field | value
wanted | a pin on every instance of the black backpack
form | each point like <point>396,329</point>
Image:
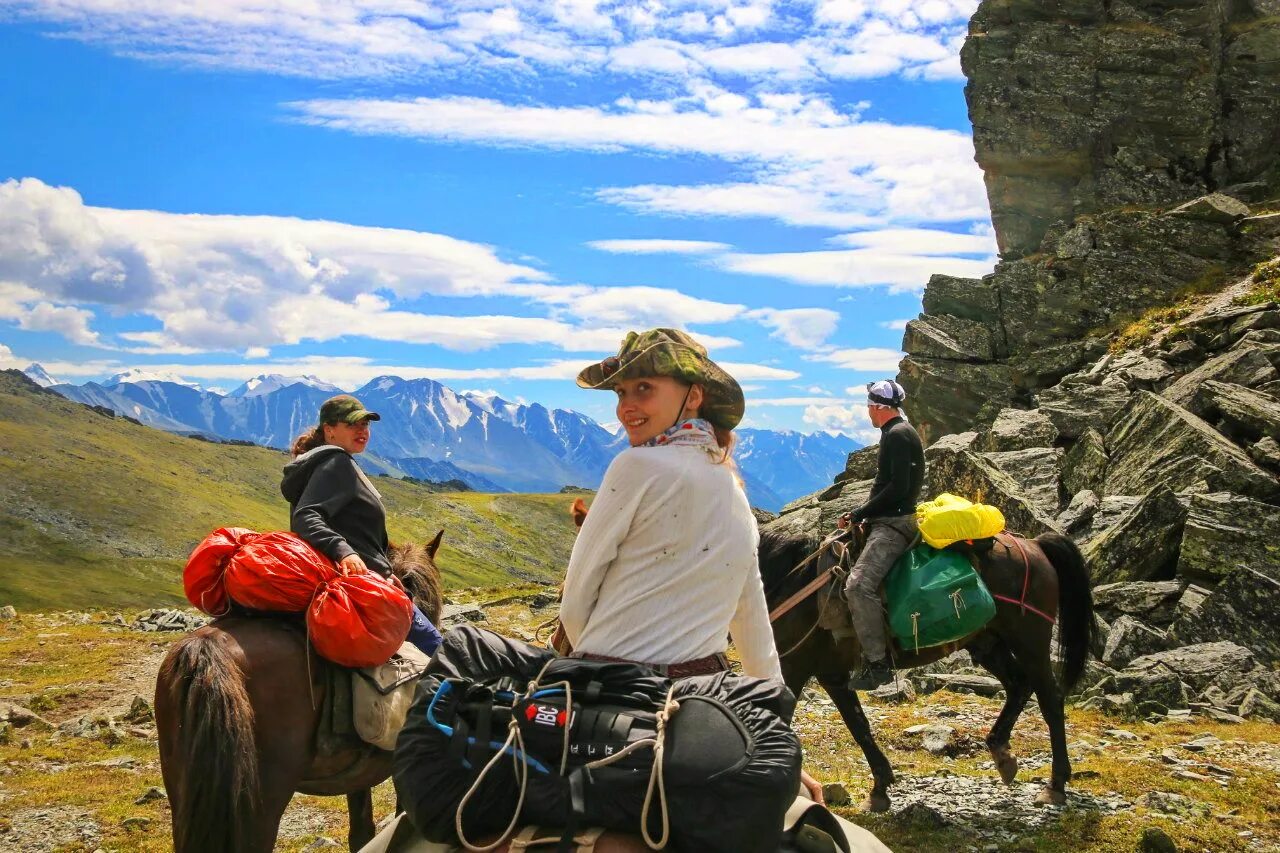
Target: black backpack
<point>503,733</point>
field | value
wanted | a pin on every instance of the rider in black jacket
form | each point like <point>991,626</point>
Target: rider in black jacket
<point>334,506</point>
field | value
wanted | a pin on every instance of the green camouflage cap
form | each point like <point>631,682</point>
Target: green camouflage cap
<point>345,409</point>
<point>670,352</point>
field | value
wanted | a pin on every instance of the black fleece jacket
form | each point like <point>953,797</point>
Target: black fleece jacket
<point>335,508</point>
<point>899,476</point>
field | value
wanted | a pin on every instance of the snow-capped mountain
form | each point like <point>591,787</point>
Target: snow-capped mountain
<point>135,375</point>
<point>37,374</point>
<point>267,383</point>
<point>430,431</point>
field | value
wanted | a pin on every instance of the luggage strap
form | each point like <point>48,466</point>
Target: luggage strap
<point>1026,578</point>
<point>514,745</point>
<point>583,841</point>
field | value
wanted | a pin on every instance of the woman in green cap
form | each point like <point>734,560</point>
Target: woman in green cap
<point>664,567</point>
<point>334,506</point>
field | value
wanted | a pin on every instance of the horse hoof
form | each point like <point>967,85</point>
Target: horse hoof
<point>1008,767</point>
<point>875,804</point>
<point>1051,797</point>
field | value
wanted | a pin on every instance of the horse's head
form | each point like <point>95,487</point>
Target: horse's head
<point>578,511</point>
<point>415,566</point>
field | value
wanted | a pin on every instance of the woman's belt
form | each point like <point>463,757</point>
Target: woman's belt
<point>709,665</point>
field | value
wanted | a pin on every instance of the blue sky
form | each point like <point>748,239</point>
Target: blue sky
<point>486,192</point>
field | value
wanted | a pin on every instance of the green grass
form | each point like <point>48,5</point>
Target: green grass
<point>99,512</point>
<point>1135,332</point>
<point>1265,286</point>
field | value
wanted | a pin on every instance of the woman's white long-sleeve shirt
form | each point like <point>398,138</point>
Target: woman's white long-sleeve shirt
<point>665,565</point>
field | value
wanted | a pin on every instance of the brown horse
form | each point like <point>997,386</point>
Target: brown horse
<point>1034,582</point>
<point>237,708</point>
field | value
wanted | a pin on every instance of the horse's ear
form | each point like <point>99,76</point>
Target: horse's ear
<point>435,545</point>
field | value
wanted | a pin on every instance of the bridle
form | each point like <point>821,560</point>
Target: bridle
<point>840,544</point>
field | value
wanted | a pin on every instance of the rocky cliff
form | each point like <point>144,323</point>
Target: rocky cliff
<point>1095,122</point>
<point>1117,378</point>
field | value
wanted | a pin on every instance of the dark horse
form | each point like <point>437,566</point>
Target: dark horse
<point>1046,574</point>
<point>237,707</point>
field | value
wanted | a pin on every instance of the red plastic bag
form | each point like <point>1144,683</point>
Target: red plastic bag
<point>203,578</point>
<point>359,620</point>
<point>277,571</point>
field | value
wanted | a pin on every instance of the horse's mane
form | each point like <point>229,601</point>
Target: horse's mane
<point>780,551</point>
<point>416,568</point>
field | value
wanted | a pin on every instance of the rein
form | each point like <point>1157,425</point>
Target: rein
<point>831,542</point>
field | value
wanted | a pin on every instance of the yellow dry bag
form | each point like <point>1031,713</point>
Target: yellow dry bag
<point>951,518</point>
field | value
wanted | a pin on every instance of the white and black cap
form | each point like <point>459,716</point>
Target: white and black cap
<point>886,392</point>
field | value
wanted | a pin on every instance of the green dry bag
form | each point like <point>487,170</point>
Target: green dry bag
<point>935,597</point>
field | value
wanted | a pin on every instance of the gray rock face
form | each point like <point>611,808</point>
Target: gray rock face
<point>1129,639</point>
<point>970,475</point>
<point>1075,407</point>
<point>949,337</point>
<point>1239,412</point>
<point>1085,464</point>
<point>1198,665</point>
<point>1249,366</point>
<point>1242,609</point>
<point>1037,470</point>
<point>1158,441</point>
<point>941,397</point>
<point>861,465</point>
<point>1214,207</point>
<point>1267,454</point>
<point>1079,514</point>
<point>1018,429</point>
<point>1143,545</point>
<point>1225,533</point>
<point>1153,602</point>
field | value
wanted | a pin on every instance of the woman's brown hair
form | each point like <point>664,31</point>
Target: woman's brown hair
<point>309,440</point>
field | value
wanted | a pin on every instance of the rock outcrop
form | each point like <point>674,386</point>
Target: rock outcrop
<point>1121,144</point>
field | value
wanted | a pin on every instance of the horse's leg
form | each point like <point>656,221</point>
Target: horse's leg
<point>1049,695</point>
<point>360,818</point>
<point>284,760</point>
<point>855,719</point>
<point>997,660</point>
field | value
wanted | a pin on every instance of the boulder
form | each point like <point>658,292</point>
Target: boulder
<point>1143,372</point>
<point>948,337</point>
<point>1037,470</point>
<point>1249,366</point>
<point>862,464</point>
<point>1214,207</point>
<point>946,396</point>
<point>1267,454</point>
<point>1153,602</point>
<point>1078,516</point>
<point>1190,600</point>
<point>1148,687</point>
<point>461,614</point>
<point>1141,546</point>
<point>1241,413</point>
<point>1111,509</point>
<point>1018,429</point>
<point>1129,639</point>
<point>1257,706</point>
<point>1199,664</point>
<point>1074,407</point>
<point>1225,533</point>
<point>1241,610</point>
<point>980,685</point>
<point>969,475</point>
<point>1085,464</point>
<point>1156,840</point>
<point>1158,441</point>
<point>970,298</point>
<point>8,612</point>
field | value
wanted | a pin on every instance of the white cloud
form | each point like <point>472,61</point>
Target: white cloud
<point>855,267</point>
<point>801,160</point>
<point>851,420</point>
<point>417,38</point>
<point>896,325</point>
<point>757,372</point>
<point>817,400</point>
<point>921,241</point>
<point>657,247</point>
<point>802,328</point>
<point>878,359</point>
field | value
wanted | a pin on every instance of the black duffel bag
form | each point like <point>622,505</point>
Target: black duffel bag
<point>503,733</point>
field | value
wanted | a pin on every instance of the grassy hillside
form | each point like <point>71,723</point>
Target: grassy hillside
<point>97,511</point>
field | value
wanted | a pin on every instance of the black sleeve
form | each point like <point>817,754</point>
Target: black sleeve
<point>331,487</point>
<point>895,480</point>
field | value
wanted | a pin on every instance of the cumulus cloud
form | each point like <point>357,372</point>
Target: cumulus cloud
<point>877,359</point>
<point>802,328</point>
<point>758,39</point>
<point>855,267</point>
<point>851,420</point>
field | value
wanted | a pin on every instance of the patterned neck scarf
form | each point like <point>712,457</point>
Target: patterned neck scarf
<point>693,432</point>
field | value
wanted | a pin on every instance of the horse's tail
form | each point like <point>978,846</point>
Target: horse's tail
<point>219,795</point>
<point>1075,604</point>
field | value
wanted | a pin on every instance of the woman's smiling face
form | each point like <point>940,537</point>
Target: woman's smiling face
<point>650,405</point>
<point>353,438</point>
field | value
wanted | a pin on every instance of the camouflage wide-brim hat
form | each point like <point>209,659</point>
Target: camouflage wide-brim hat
<point>670,352</point>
